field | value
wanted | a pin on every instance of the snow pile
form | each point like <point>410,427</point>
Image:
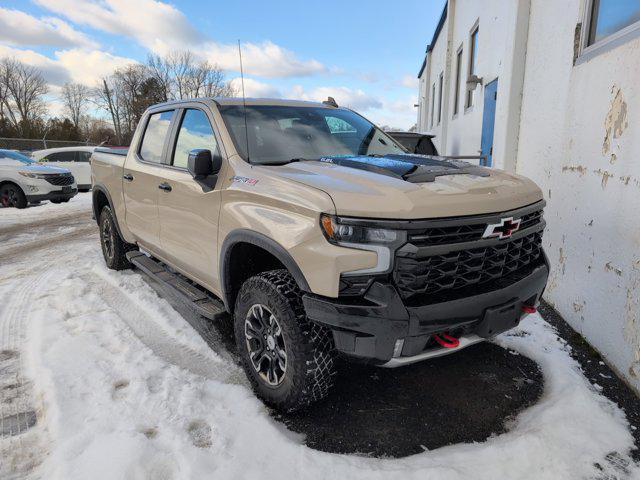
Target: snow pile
<point>9,217</point>
<point>130,390</point>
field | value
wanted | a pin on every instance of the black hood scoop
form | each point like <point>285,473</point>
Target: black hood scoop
<point>411,168</point>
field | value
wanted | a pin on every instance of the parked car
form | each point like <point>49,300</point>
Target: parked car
<point>320,234</point>
<point>420,143</point>
<point>75,159</point>
<point>24,181</point>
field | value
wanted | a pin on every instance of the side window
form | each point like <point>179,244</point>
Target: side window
<point>195,132</point>
<point>155,136</point>
<point>60,157</point>
<point>83,157</point>
<point>337,125</point>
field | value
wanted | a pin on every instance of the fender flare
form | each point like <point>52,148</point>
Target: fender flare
<point>99,188</point>
<point>264,242</point>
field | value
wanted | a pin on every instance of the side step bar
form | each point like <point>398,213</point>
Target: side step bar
<point>202,302</point>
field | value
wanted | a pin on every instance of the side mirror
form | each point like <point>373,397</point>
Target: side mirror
<point>202,163</point>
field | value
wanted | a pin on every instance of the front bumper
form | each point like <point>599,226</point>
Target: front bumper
<point>381,328</point>
<point>53,195</point>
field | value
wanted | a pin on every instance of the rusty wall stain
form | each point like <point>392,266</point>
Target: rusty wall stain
<point>605,176</point>
<point>616,121</point>
<point>575,168</point>
<point>609,267</point>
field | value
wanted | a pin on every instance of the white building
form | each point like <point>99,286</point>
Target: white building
<point>557,99</point>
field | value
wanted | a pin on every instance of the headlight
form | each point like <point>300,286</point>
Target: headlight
<point>33,175</point>
<point>378,240</point>
<point>339,233</point>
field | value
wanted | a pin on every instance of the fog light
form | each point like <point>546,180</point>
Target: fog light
<point>32,188</point>
<point>397,349</point>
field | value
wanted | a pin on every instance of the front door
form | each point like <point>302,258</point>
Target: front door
<point>488,121</point>
<point>188,212</point>
<point>142,174</point>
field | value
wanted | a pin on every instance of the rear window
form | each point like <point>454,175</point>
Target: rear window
<point>84,157</point>
<point>155,136</point>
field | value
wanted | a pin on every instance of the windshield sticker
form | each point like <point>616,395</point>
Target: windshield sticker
<point>247,180</point>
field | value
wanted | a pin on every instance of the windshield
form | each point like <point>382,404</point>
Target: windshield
<point>279,134</point>
<point>9,157</point>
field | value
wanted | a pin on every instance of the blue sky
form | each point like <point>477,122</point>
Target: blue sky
<point>364,53</point>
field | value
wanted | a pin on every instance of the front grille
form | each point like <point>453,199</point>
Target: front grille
<point>59,179</point>
<point>457,270</point>
<point>462,233</point>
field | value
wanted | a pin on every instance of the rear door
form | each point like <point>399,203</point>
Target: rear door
<point>188,212</point>
<point>143,174</point>
<point>82,169</point>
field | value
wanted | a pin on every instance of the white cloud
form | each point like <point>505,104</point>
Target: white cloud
<point>19,28</point>
<point>265,59</point>
<point>155,25</point>
<point>345,96</point>
<point>89,66</point>
<point>53,71</point>
<point>410,81</point>
<point>73,65</point>
<point>162,28</point>
<point>256,89</point>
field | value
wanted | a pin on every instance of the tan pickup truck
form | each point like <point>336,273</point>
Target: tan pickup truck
<point>320,235</point>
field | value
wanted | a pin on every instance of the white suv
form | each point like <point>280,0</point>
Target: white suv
<point>75,159</point>
<point>23,181</point>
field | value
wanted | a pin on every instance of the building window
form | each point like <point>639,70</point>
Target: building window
<point>473,62</point>
<point>611,16</point>
<point>440,97</point>
<point>456,95</point>
<point>608,24</point>
<point>433,102</point>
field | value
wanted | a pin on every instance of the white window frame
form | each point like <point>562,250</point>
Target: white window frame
<point>587,52</point>
<point>469,95</point>
<point>458,83</point>
<point>440,95</point>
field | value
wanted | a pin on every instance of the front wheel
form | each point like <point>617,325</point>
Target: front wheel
<point>114,248</point>
<point>287,358</point>
<point>12,195</point>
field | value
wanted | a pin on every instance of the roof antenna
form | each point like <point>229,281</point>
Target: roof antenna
<point>244,103</point>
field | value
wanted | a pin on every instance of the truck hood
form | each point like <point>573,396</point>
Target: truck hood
<point>43,169</point>
<point>411,186</point>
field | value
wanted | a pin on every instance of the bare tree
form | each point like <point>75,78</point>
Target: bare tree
<point>107,97</point>
<point>75,98</point>
<point>180,75</point>
<point>160,69</point>
<point>23,88</point>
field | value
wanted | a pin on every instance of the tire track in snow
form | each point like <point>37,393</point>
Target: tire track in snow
<point>150,333</point>
<point>22,448</point>
<point>56,221</point>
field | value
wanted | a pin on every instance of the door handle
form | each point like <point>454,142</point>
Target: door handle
<point>165,186</point>
<point>128,177</point>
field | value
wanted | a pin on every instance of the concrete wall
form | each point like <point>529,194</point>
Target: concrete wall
<point>579,141</point>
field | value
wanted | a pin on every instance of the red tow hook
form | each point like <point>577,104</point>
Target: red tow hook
<point>448,341</point>
<point>529,309</point>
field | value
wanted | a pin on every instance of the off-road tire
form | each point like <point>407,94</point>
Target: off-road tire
<point>11,195</point>
<point>310,369</point>
<point>114,248</point>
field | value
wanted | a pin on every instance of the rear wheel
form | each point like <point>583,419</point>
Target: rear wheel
<point>114,248</point>
<point>287,358</point>
<point>11,195</point>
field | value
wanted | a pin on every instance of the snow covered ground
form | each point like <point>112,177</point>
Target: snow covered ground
<point>123,387</point>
